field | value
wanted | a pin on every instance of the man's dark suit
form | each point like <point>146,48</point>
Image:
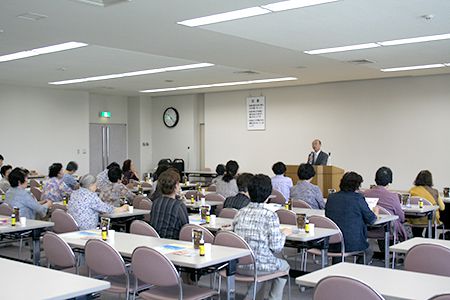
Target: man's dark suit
<point>322,159</point>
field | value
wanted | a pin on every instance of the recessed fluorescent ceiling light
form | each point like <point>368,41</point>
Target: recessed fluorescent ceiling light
<point>421,39</point>
<point>344,48</point>
<point>292,4</point>
<point>414,68</point>
<point>202,86</point>
<point>135,73</point>
<point>228,16</point>
<point>40,51</point>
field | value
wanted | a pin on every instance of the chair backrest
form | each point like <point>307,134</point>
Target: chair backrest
<point>5,209</point>
<point>228,213</point>
<point>428,258</point>
<point>146,184</point>
<point>383,211</point>
<point>300,203</point>
<point>191,193</point>
<point>154,268</point>
<point>214,197</point>
<point>56,206</point>
<point>277,197</point>
<point>212,188</point>
<point>37,193</point>
<point>340,287</point>
<point>415,200</point>
<point>63,222</point>
<point>145,204</point>
<point>138,200</point>
<point>186,233</point>
<point>324,222</point>
<point>103,259</point>
<point>57,251</point>
<point>231,239</point>
<point>143,228</point>
<point>2,192</point>
<point>441,297</point>
<point>34,183</point>
<point>287,216</point>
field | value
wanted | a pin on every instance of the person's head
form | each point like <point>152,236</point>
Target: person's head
<point>55,170</point>
<point>114,174</point>
<point>26,171</point>
<point>220,169</point>
<point>242,181</point>
<point>305,172</point>
<point>259,188</point>
<point>350,182</point>
<point>1,160</point>
<point>383,176</point>
<point>231,169</point>
<point>89,182</point>
<point>279,168</point>
<point>71,167</point>
<point>424,178</point>
<point>5,170</point>
<point>126,165</point>
<point>17,178</point>
<point>316,145</point>
<point>113,165</point>
<point>160,170</point>
<point>169,182</point>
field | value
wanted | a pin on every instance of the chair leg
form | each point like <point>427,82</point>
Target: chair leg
<point>289,286</point>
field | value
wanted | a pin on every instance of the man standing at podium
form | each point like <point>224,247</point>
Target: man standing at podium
<point>317,157</point>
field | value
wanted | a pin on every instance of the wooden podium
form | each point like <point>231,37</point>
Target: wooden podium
<point>327,177</point>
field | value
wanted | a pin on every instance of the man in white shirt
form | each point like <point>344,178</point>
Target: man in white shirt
<point>317,157</point>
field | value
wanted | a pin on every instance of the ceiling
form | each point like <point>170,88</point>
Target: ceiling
<point>143,34</point>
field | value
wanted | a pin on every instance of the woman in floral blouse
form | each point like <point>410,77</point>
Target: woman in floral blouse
<point>55,189</point>
<point>85,205</point>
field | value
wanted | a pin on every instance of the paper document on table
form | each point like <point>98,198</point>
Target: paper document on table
<point>171,248</point>
<point>85,235</point>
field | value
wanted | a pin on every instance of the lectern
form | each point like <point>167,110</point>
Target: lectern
<point>327,177</point>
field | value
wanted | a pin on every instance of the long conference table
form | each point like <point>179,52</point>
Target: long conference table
<point>25,281</point>
<point>180,253</point>
<point>390,283</point>
<point>427,210</point>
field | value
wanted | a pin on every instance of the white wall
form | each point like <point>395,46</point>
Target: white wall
<point>174,142</point>
<point>402,123</point>
<point>41,126</point>
<point>117,105</point>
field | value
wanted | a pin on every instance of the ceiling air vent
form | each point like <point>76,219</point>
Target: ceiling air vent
<point>360,61</point>
<point>248,72</point>
<point>102,3</point>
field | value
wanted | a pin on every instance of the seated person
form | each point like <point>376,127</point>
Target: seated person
<point>220,170</point>
<point>423,187</point>
<point>102,177</point>
<point>68,177</point>
<point>349,210</point>
<point>113,191</point>
<point>18,196</point>
<point>54,188</point>
<point>242,199</point>
<point>85,205</point>
<point>388,200</point>
<point>168,214</point>
<point>129,172</point>
<point>4,182</point>
<point>227,186</point>
<point>260,227</point>
<point>305,190</point>
<point>156,193</point>
<point>280,182</point>
<point>1,160</point>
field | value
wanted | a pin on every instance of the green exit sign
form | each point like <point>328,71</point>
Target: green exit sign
<point>105,114</point>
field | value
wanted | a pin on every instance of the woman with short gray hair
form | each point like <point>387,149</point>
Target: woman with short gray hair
<point>85,205</point>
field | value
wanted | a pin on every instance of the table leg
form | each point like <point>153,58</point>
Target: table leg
<point>387,232</point>
<point>324,252</point>
<point>430,224</point>
<point>36,238</point>
<point>231,271</point>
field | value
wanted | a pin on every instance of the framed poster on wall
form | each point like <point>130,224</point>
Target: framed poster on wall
<point>256,113</point>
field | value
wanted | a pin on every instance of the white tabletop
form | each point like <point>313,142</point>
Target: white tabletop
<point>219,224</point>
<point>136,212</point>
<point>125,243</point>
<point>414,209</point>
<point>30,225</point>
<point>404,247</point>
<point>446,199</point>
<point>392,284</point>
<point>25,281</point>
<point>198,203</point>
<point>201,172</point>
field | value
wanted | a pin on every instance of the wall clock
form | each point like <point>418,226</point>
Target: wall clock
<point>171,117</point>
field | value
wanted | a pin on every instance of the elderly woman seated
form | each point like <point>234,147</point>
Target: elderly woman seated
<point>85,205</point>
